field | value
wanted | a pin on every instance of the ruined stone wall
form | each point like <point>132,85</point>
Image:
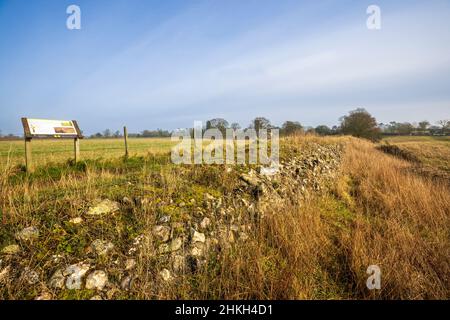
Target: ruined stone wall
<point>179,247</point>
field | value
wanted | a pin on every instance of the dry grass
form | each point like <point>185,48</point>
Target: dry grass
<point>402,224</point>
<point>431,153</point>
<point>379,213</point>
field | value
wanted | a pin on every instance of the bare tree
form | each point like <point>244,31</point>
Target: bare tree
<point>444,123</point>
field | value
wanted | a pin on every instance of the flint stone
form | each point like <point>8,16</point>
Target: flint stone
<point>198,237</point>
<point>103,207</point>
<point>165,275</point>
<point>75,273</point>
<point>198,249</point>
<point>162,233</point>
<point>175,245</point>
<point>57,280</point>
<point>102,247</point>
<point>96,280</point>
<point>31,276</point>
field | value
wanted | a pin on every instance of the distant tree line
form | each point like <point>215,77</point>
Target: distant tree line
<point>9,136</point>
<point>442,127</point>
<point>107,133</point>
<point>144,134</point>
<point>358,123</point>
<point>158,133</point>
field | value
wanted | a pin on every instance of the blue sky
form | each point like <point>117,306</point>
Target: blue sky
<point>163,64</point>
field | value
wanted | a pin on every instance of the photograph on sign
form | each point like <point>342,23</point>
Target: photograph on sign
<point>51,127</point>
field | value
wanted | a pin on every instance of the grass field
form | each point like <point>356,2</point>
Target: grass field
<point>315,242</point>
<point>432,153</point>
<point>57,151</point>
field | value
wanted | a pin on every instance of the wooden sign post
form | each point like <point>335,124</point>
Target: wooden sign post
<point>76,141</point>
<point>76,149</point>
<point>28,160</point>
<point>50,129</point>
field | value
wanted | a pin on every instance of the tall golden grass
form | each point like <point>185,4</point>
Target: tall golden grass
<point>378,213</point>
<point>402,224</point>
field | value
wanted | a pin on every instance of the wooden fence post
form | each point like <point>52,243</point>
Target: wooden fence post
<point>125,137</point>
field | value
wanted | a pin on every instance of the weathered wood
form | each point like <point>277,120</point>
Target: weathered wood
<point>77,128</point>
<point>76,148</point>
<point>28,158</point>
<point>26,128</point>
<point>125,137</point>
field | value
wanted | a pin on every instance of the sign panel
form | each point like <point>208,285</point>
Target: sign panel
<point>45,128</point>
<point>51,128</point>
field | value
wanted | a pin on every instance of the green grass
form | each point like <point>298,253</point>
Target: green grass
<point>59,151</point>
<point>46,152</point>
